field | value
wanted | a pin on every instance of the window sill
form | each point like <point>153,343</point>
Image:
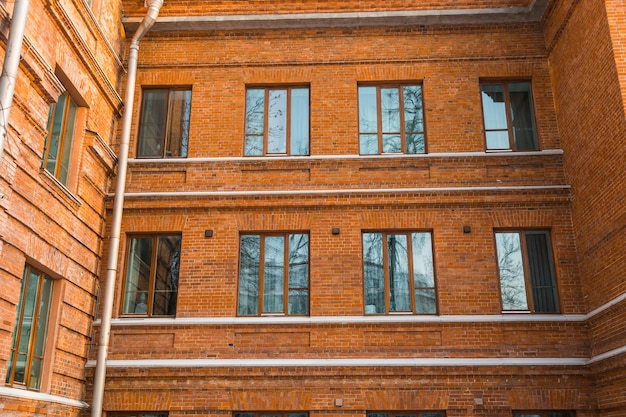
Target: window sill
<point>60,191</point>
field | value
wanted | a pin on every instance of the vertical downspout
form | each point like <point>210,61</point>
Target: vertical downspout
<point>11,66</point>
<point>118,205</point>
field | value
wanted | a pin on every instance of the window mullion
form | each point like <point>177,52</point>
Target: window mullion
<point>409,248</point>
<point>401,116</point>
<point>288,123</point>
<point>153,269</point>
<point>527,280</point>
<point>379,119</point>
<point>261,283</point>
<point>33,332</point>
<point>286,274</point>
<point>509,119</point>
<point>62,133</point>
<point>266,109</point>
<point>168,125</point>
<point>386,273</point>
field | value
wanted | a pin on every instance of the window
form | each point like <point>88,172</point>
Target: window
<point>152,275</point>
<point>526,269</point>
<point>391,119</point>
<point>164,124</point>
<point>398,273</point>
<point>277,121</point>
<point>31,324</point>
<point>58,145</point>
<point>137,414</point>
<point>274,274</point>
<point>543,414</point>
<point>407,414</point>
<point>509,117</point>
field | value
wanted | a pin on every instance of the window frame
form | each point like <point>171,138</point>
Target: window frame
<point>410,268</point>
<point>167,124</point>
<point>50,319</point>
<point>545,413</point>
<point>528,287</point>
<point>265,136</point>
<point>136,413</point>
<point>66,134</point>
<point>403,134</point>
<point>152,279</point>
<point>507,109</point>
<point>261,280</point>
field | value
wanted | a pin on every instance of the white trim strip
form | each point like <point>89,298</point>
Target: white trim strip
<point>38,396</point>
<point>298,320</point>
<point>546,152</point>
<point>606,306</point>
<point>341,191</point>
<point>607,355</point>
<point>364,362</point>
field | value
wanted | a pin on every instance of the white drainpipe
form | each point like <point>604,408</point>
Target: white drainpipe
<point>114,246</point>
<point>11,66</point>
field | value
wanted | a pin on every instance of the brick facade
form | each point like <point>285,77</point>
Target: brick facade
<point>468,359</point>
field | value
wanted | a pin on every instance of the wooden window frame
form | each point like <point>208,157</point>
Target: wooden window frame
<point>261,274</point>
<point>385,267</point>
<point>17,333</point>
<point>152,280</point>
<point>507,109</point>
<point>167,123</point>
<point>402,132</point>
<point>67,133</point>
<point>267,89</point>
<point>526,265</point>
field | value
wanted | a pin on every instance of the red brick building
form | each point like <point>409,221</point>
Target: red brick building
<point>333,208</point>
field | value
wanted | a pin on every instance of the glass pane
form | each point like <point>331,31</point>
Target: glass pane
<point>397,252</point>
<point>249,263</point>
<point>390,109</point>
<point>274,274</point>
<point>299,121</point>
<point>20,369</point>
<point>368,119</point>
<point>498,139</point>
<point>179,116</point>
<point>297,415</point>
<point>243,415</point>
<point>415,143</point>
<point>28,315</point>
<point>425,301</point>
<point>512,284</point>
<point>374,275</point>
<point>255,111</point>
<point>55,124</point>
<point>561,414</point>
<point>541,271</point>
<point>494,111</point>
<point>254,146</point>
<point>432,415</point>
<point>298,302</point>
<point>277,122</point>
<point>138,275</point>
<point>43,314</point>
<point>368,144</point>
<point>413,109</point>
<point>377,414</point>
<point>154,415</point>
<point>423,273</point>
<point>152,124</point>
<point>166,276</point>
<point>522,116</point>
<point>298,274</point>
<point>35,373</point>
<point>68,138</point>
<point>392,144</point>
